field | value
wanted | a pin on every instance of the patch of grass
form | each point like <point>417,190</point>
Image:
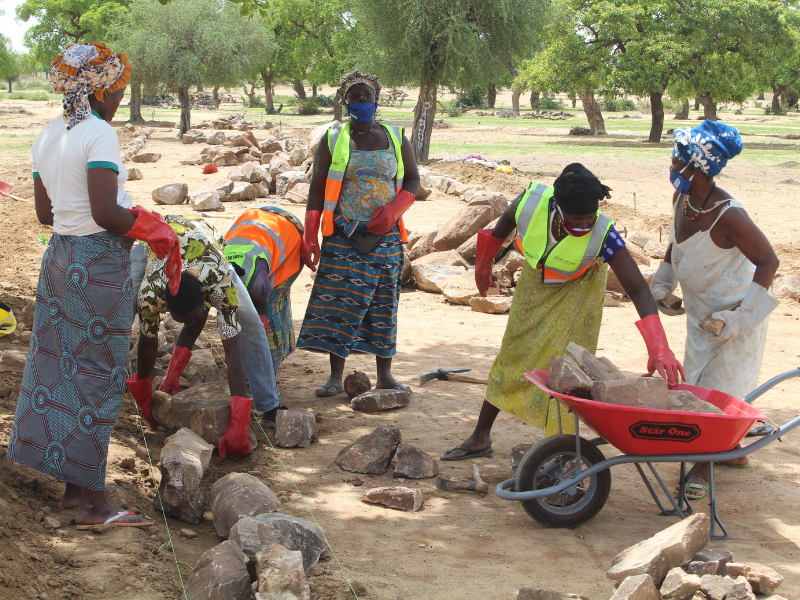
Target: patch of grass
<point>38,96</point>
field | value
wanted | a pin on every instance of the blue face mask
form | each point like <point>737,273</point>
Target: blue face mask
<point>679,183</point>
<point>362,111</point>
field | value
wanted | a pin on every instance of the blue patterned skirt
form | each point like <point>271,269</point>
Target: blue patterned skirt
<point>280,329</point>
<point>74,375</point>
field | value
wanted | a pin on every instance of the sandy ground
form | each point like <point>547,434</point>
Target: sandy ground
<point>460,545</point>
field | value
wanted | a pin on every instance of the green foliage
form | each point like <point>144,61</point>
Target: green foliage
<point>474,97</point>
<point>453,108</point>
<point>548,103</point>
<point>612,104</point>
<point>308,107</point>
<point>36,96</point>
<point>9,61</point>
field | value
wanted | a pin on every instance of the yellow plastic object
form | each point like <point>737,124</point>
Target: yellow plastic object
<point>504,169</point>
<point>8,323</point>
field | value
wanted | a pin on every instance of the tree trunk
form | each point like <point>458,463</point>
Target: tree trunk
<point>136,103</point>
<point>9,85</point>
<point>760,96</point>
<point>424,115</point>
<point>515,100</point>
<point>186,110</point>
<point>593,114</point>
<point>491,95</point>
<point>697,103</point>
<point>684,112</point>
<point>534,98</point>
<point>656,117</point>
<point>337,111</point>
<point>299,89</point>
<point>709,107</point>
<point>251,95</point>
<point>215,96</point>
<point>314,90</point>
<point>267,78</point>
<point>574,101</point>
<point>776,98</point>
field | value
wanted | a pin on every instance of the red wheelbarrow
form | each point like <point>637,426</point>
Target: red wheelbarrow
<point>565,480</point>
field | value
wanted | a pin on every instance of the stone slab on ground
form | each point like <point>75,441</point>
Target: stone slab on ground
<point>641,392</point>
<point>221,572</point>
<point>134,174</point>
<point>171,193</point>
<point>492,305</point>
<point>239,495</point>
<point>414,463</point>
<point>184,459</point>
<point>295,428</point>
<point>669,548</point>
<point>203,364</point>
<point>763,579</point>
<point>399,498</point>
<point>378,400</point>
<point>206,201</point>
<point>566,377</point>
<point>637,587</point>
<point>371,453</point>
<point>12,361</point>
<point>679,585</point>
<point>146,157</point>
<point>252,534</point>
<point>432,278</point>
<point>545,594</point>
<point>281,575</point>
<point>447,258</point>
<point>517,452</point>
<point>463,289</point>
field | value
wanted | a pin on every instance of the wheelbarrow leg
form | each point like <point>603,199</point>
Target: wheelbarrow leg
<point>677,510</point>
<point>712,500</point>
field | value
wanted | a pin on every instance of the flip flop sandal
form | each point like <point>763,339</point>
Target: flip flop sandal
<point>399,387</point>
<point>469,453</point>
<point>329,389</point>
<point>724,464</point>
<point>108,496</point>
<point>116,523</point>
<point>695,491</point>
<point>763,429</point>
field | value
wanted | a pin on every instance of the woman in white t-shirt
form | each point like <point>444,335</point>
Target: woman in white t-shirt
<point>74,375</point>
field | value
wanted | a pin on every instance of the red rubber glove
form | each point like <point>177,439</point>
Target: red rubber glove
<point>488,245</point>
<point>385,217</point>
<point>235,439</point>
<point>171,382</point>
<point>660,356</point>
<point>142,391</point>
<point>263,320</point>
<point>150,227</point>
<point>309,247</point>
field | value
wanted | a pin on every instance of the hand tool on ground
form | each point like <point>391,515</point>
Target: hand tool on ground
<point>468,486</point>
<point>5,191</point>
<point>452,375</point>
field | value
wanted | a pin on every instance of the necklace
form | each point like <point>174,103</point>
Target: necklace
<point>367,131</point>
<point>697,212</point>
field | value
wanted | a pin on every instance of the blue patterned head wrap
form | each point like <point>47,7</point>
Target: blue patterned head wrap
<point>707,147</point>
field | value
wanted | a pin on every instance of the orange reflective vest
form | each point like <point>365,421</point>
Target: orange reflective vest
<point>270,233</point>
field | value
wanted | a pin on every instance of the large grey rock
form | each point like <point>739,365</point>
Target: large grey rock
<point>655,250</point>
<point>371,453</point>
<point>281,575</point>
<point>641,392</point>
<point>241,191</point>
<point>763,579</point>
<point>431,278</point>
<point>672,547</point>
<point>184,459</point>
<point>638,254</point>
<point>399,498</point>
<point>741,590</point>
<point>225,158</point>
<point>316,135</point>
<point>12,361</point>
<point>146,157</point>
<point>639,238</point>
<point>499,202</point>
<point>449,258</point>
<point>247,173</point>
<point>463,226</point>
<point>378,400</point>
<point>414,463</point>
<point>287,180</point>
<point>544,594</point>
<point>469,248</point>
<point>221,572</point>
<point>715,587</point>
<point>206,201</point>
<point>513,261</point>
<point>686,401</point>
<point>613,284</point>
<point>252,534</point>
<point>599,368</point>
<point>134,174</point>
<point>424,245</point>
<point>679,585</point>
<point>193,136</point>
<point>700,568</point>
<point>295,428</point>
<point>239,495</point>
<point>277,166</point>
<point>221,187</point>
<point>566,377</point>
<point>202,368</point>
<point>492,305</point>
<point>204,408</point>
<point>637,587</point>
<point>461,290</point>
<point>172,193</point>
<point>216,139</point>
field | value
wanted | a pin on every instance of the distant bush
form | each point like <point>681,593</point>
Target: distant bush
<point>453,108</point>
<point>768,111</point>
<point>609,104</point>
<point>308,107</point>
<point>473,98</point>
<point>547,103</point>
<point>39,96</point>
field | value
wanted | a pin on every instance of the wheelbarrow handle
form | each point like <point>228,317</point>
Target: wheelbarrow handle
<point>770,384</point>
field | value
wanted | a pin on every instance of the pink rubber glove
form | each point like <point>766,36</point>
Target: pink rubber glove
<point>235,440</point>
<point>660,357</point>
<point>142,391</point>
<point>309,247</point>
<point>385,217</point>
<point>263,320</point>
<point>150,227</point>
<point>171,382</point>
<point>488,245</point>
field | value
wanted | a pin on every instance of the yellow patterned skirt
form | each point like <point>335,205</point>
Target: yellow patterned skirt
<point>544,318</point>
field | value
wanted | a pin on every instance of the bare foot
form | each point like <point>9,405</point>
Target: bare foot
<point>472,444</point>
<point>97,515</point>
<point>72,496</point>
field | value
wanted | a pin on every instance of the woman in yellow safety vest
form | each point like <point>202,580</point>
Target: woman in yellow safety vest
<point>364,179</point>
<point>567,243</point>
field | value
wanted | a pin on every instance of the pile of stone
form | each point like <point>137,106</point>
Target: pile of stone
<point>133,147</point>
<point>233,122</point>
<point>581,374</point>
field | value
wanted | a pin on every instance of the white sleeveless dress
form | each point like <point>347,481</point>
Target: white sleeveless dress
<point>714,279</point>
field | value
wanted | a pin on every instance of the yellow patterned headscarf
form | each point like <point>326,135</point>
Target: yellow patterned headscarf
<point>87,69</point>
<point>351,79</point>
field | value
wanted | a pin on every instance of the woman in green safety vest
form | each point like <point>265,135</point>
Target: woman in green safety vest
<point>568,245</point>
<point>364,178</point>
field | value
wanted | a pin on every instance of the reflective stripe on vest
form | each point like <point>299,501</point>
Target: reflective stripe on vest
<point>268,234</point>
<point>339,145</point>
<point>572,256</point>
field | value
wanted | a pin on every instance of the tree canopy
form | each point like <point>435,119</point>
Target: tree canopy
<point>10,64</point>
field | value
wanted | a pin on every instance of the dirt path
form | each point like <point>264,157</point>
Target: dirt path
<point>459,545</point>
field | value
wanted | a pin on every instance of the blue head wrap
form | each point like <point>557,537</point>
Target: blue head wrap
<point>707,147</point>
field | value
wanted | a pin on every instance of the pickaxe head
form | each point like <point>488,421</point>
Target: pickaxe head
<point>439,374</point>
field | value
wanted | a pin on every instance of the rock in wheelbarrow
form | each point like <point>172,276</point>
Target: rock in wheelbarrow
<point>672,547</point>
<point>566,377</point>
<point>599,368</point>
<point>641,392</point>
<point>686,401</point>
<point>378,400</point>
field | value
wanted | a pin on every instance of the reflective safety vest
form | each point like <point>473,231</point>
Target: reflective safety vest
<point>572,256</point>
<point>267,232</point>
<point>339,146</point>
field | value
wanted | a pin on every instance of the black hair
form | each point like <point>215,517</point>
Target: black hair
<point>188,298</point>
<point>578,191</point>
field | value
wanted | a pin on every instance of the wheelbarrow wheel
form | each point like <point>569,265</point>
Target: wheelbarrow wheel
<point>552,461</point>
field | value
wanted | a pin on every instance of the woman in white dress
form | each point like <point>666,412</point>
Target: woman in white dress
<point>725,265</point>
